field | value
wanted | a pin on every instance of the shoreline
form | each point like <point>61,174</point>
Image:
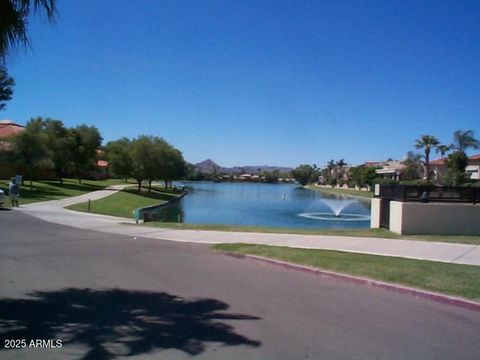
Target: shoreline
<point>339,192</point>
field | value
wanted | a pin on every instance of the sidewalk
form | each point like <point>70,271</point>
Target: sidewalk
<point>53,211</point>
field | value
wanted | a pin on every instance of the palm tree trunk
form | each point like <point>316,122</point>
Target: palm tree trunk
<point>427,165</point>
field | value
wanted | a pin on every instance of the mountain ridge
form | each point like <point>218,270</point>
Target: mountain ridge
<point>209,166</point>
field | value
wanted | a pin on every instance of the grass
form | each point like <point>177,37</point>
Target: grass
<point>53,190</point>
<point>124,202</point>
<point>363,194</point>
<point>375,233</point>
<point>451,279</point>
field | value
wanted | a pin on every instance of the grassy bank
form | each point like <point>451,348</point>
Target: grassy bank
<point>356,193</point>
<point>124,202</point>
<point>53,190</point>
<point>452,279</point>
<point>375,233</point>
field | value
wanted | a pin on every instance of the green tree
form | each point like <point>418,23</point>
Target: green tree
<point>144,156</point>
<point>304,174</point>
<point>362,175</point>
<point>170,163</point>
<point>29,148</point>
<point>464,140</point>
<point>458,160</point>
<point>443,149</point>
<point>456,163</point>
<point>6,87</point>
<point>83,146</point>
<point>59,143</point>
<point>120,158</point>
<point>427,143</point>
<point>14,19</point>
<point>272,177</point>
<point>412,166</point>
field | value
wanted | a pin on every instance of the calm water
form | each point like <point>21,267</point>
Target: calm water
<point>263,205</point>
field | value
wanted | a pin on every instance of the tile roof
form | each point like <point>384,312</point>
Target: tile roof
<point>9,128</point>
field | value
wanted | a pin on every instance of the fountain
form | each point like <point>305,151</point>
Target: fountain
<point>337,205</point>
<point>336,213</point>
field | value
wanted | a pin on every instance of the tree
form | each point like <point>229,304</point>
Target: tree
<point>59,142</point>
<point>427,143</point>
<point>463,140</point>
<point>458,160</point>
<point>456,163</point>
<point>443,149</point>
<point>83,149</point>
<point>413,166</point>
<point>120,158</point>
<point>6,87</point>
<point>362,175</point>
<point>29,148</point>
<point>14,20</point>
<point>272,177</point>
<point>339,173</point>
<point>303,174</point>
<point>170,162</point>
<point>154,159</point>
<point>144,157</point>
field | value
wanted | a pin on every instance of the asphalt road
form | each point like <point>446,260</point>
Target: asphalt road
<point>107,296</point>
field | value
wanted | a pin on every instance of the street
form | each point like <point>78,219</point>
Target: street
<point>105,296</point>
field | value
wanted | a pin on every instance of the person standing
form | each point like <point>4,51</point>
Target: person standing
<point>14,192</point>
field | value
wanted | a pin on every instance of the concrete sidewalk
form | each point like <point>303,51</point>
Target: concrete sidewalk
<point>53,211</point>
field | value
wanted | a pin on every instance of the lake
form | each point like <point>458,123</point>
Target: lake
<point>269,205</point>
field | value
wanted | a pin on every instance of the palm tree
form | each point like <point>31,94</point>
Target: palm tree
<point>443,149</point>
<point>330,164</point>
<point>13,21</point>
<point>427,142</point>
<point>6,87</point>
<point>464,140</point>
<point>340,164</point>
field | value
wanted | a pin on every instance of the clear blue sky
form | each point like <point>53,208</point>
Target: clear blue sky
<point>257,82</point>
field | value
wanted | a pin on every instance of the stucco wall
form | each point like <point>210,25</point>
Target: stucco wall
<point>396,216</point>
<point>375,213</point>
<point>434,218</point>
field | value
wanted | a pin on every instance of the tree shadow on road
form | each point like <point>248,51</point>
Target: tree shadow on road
<point>114,322</point>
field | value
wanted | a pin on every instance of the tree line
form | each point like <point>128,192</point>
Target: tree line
<point>74,152</point>
<point>416,166</point>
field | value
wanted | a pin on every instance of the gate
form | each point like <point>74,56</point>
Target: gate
<point>385,213</point>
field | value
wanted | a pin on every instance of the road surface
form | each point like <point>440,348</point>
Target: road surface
<point>106,296</point>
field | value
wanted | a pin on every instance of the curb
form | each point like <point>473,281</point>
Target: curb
<point>437,297</point>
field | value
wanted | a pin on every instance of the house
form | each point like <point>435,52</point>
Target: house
<point>387,169</point>
<point>7,129</point>
<point>439,168</point>
<point>473,167</point>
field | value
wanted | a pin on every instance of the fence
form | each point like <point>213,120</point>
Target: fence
<point>412,193</point>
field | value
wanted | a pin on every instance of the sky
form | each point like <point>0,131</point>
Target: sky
<point>257,82</point>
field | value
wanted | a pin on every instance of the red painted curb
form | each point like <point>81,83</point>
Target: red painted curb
<point>440,298</point>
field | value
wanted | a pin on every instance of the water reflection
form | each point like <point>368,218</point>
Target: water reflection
<point>259,205</point>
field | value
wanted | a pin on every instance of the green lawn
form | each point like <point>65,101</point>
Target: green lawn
<point>452,279</point>
<point>375,233</point>
<point>53,190</point>
<point>363,194</point>
<point>124,202</point>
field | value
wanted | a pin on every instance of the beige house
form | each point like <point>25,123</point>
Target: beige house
<point>439,168</point>
<point>390,169</point>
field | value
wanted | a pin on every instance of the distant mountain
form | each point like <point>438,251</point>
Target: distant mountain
<point>209,166</point>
